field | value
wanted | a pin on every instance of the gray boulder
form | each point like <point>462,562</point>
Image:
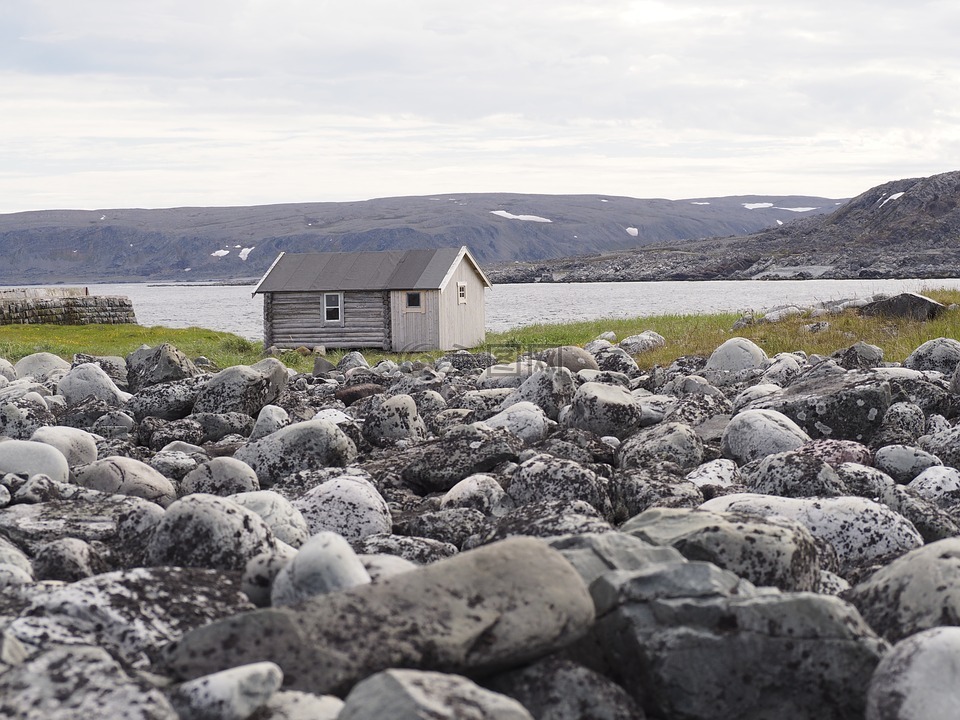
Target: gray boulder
<point>348,505</point>
<point>78,446</point>
<point>168,401</point>
<point>41,366</point>
<point>557,689</point>
<point>217,426</point>
<point>13,556</point>
<point>395,420</point>
<point>912,306</point>
<point>525,420</point>
<point>902,424</point>
<point>865,481</point>
<point>148,366</point>
<point>753,434</point>
<point>940,485</point>
<point>7,370</point>
<point>89,379</point>
<point>571,357</point>
<point>311,444</point>
<point>78,682</point>
<point>416,694</point>
<point>284,520</point>
<point>688,640</point>
<point>326,563</point>
<point>736,354</point>
<point>918,679</point>
<point>209,532</point>
<point>86,515</point>
<point>270,419</point>
<point>917,591</point>
<point>618,360</point>
<point>904,462</point>
<point>544,478</point>
<point>766,551</point>
<point>68,559</point>
<point>543,519</point>
<point>479,492</point>
<point>236,693</point>
<point>243,388</point>
<point>860,530</point>
<point>720,473</point>
<point>417,550</point>
<point>944,444</point>
<point>667,441</point>
<point>548,389</point>
<point>464,450</point>
<point>26,458</point>
<point>133,613</point>
<point>596,554</point>
<point>834,403</point>
<point>520,596</point>
<point>220,476</point>
<point>940,354</point>
<point>792,474</point>
<point>642,342</point>
<point>658,484</point>
<point>447,525</point>
<point>837,452</point>
<point>126,476</point>
<point>22,417</point>
<point>260,572</point>
<point>604,410</point>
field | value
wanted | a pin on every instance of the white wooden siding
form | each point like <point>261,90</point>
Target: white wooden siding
<point>296,318</point>
<point>413,331</point>
<point>462,325</point>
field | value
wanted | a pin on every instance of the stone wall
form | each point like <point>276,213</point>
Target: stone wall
<point>82,310</point>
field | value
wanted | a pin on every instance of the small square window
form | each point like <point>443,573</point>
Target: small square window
<point>413,300</point>
<point>462,293</point>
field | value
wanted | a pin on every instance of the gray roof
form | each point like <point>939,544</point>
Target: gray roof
<point>391,270</point>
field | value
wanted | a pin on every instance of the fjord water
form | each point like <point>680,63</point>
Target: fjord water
<point>231,308</point>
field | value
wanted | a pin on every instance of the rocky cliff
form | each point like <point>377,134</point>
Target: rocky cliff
<point>901,229</point>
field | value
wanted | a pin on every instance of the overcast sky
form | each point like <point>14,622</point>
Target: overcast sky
<point>113,103</point>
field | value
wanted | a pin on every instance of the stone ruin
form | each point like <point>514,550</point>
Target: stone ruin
<point>63,306</point>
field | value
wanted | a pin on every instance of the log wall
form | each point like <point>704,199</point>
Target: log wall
<point>292,319</point>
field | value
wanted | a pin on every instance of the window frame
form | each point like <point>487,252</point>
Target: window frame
<point>407,307</point>
<point>461,293</point>
<point>327,322</point>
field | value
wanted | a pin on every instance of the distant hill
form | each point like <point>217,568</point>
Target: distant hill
<point>902,229</point>
<point>228,243</point>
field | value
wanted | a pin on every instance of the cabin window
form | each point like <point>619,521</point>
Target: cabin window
<point>414,302</point>
<point>333,308</point>
<point>462,293</point>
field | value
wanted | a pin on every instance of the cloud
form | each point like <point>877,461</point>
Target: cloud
<point>109,103</point>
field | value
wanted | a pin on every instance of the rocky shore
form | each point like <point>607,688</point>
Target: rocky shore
<point>561,536</point>
<point>736,259</point>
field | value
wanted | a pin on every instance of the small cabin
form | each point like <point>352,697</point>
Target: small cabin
<point>403,301</point>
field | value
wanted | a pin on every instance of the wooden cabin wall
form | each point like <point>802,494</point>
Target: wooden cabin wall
<point>463,326</point>
<point>415,331</point>
<point>293,319</point>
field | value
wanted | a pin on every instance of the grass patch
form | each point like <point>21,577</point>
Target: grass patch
<point>225,349</point>
<point>685,335</point>
<point>701,334</point>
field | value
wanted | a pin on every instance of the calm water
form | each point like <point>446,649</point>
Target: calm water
<point>231,308</point>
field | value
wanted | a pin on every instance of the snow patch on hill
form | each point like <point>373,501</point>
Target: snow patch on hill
<point>527,218</point>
